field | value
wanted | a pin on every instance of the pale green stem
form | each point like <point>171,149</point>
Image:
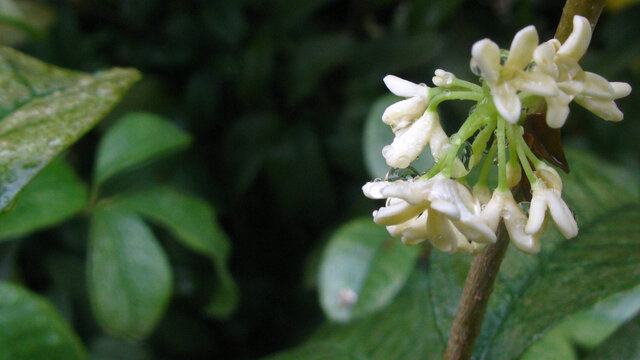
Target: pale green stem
<point>453,95</point>
<point>466,85</point>
<point>536,162</point>
<point>525,163</point>
<point>502,156</point>
<point>513,145</point>
<point>486,166</point>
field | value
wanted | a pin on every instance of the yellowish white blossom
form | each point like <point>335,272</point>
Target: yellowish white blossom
<point>505,81</point>
<point>592,91</point>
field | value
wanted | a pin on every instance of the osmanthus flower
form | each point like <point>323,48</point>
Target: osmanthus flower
<point>505,81</point>
<point>438,205</point>
<point>438,209</point>
<point>546,195</point>
<point>590,90</point>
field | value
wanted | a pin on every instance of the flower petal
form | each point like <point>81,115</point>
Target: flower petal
<point>447,208</point>
<point>441,233</point>
<point>521,51</point>
<point>404,111</point>
<point>396,212</point>
<point>412,191</point>
<point>578,41</point>
<point>405,88</point>
<point>621,89</point>
<point>537,211</point>
<point>407,146</point>
<point>515,221</point>
<point>557,109</point>
<point>486,55</point>
<point>543,56</point>
<point>507,102</point>
<point>562,215</point>
<point>605,109</point>
<point>536,83</point>
<point>597,86</point>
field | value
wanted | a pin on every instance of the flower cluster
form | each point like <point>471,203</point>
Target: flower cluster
<point>439,205</point>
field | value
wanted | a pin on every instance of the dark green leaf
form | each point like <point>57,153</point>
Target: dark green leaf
<point>377,135</point>
<point>314,59</point>
<point>622,345</point>
<point>55,195</point>
<point>136,138</point>
<point>45,109</point>
<point>105,348</point>
<point>534,292</point>
<point>362,270</point>
<point>403,331</point>
<point>129,277</point>
<point>31,329</point>
<point>193,222</point>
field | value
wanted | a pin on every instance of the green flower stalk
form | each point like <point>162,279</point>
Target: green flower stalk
<point>439,206</point>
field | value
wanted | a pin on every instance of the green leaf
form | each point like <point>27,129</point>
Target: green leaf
<point>533,293</point>
<point>589,328</point>
<point>193,222</point>
<point>31,329</point>
<point>45,109</point>
<point>622,345</point>
<point>314,59</point>
<point>129,277</point>
<point>405,330</point>
<point>55,195</point>
<point>136,138</point>
<point>20,20</point>
<point>362,270</point>
<point>377,135</point>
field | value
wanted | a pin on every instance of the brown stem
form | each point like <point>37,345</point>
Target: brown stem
<point>591,9</point>
<point>485,266</point>
<point>474,299</point>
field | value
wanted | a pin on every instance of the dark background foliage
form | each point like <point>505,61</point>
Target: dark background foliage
<point>275,94</point>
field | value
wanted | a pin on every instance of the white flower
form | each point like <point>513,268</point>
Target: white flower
<point>403,113</point>
<point>544,198</point>
<point>443,78</point>
<point>506,80</point>
<point>592,91</point>
<point>408,144</point>
<point>547,195</point>
<point>439,209</point>
<point>503,206</point>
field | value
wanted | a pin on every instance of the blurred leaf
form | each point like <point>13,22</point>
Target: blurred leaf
<point>105,348</point>
<point>377,135</point>
<point>31,329</point>
<point>193,222</point>
<point>362,270</point>
<point>45,109</point>
<point>533,292</point>
<point>291,13</point>
<point>617,5</point>
<point>53,196</point>
<point>136,138</point>
<point>315,58</point>
<point>246,147</point>
<point>403,331</point>
<point>622,345</point>
<point>588,328</point>
<point>225,20</point>
<point>128,274</point>
<point>298,171</point>
<point>22,19</point>
<point>427,15</point>
<point>554,346</point>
